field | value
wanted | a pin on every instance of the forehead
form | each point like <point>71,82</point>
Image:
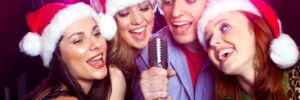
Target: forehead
<point>233,16</point>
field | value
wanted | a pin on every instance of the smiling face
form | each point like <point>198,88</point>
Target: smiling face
<point>135,24</point>
<point>182,17</point>
<point>231,42</point>
<point>83,49</point>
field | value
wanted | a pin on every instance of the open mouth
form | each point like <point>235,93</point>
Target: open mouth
<point>180,27</point>
<point>180,24</point>
<point>138,33</point>
<point>138,30</point>
<point>224,54</point>
<point>97,61</point>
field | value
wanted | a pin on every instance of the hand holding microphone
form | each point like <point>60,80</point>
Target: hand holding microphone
<point>154,81</point>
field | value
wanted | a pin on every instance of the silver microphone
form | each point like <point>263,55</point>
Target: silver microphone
<point>158,52</point>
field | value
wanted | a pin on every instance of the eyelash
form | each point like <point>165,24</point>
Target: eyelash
<point>123,13</point>
<point>144,7</point>
<point>76,41</point>
<point>97,34</point>
<point>168,2</point>
<point>190,1</point>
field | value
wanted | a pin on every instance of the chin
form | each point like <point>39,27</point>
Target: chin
<point>140,45</point>
<point>226,71</point>
<point>100,74</point>
<point>187,39</point>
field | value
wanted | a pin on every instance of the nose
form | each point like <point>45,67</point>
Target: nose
<point>95,44</point>
<point>137,18</point>
<point>215,41</point>
<point>177,9</point>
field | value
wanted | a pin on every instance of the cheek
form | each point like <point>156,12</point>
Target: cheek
<point>103,44</point>
<point>123,24</point>
<point>149,17</point>
<point>212,57</point>
<point>71,54</point>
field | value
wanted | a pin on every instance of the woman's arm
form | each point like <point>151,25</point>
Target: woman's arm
<point>118,84</point>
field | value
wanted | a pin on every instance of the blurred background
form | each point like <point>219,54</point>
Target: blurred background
<point>19,73</point>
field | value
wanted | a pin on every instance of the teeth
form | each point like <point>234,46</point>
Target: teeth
<point>224,53</point>
<point>97,58</point>
<point>180,23</point>
<point>139,30</point>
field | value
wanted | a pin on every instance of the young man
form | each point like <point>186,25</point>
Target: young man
<point>194,80</point>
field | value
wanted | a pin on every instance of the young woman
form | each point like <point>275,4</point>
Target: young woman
<point>244,41</point>
<point>133,21</point>
<point>68,39</point>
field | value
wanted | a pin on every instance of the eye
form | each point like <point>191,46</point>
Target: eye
<point>123,13</point>
<point>168,2</point>
<point>97,34</point>
<point>225,27</point>
<point>144,7</point>
<point>190,1</point>
<point>77,40</point>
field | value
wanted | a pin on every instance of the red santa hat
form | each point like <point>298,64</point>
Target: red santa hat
<point>283,49</point>
<point>108,8</point>
<point>48,25</point>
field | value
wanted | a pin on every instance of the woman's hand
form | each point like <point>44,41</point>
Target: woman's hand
<point>154,83</point>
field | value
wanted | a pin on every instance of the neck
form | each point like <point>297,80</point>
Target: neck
<point>246,80</point>
<point>194,47</point>
<point>85,85</point>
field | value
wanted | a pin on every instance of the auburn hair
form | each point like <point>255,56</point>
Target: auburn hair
<point>269,79</point>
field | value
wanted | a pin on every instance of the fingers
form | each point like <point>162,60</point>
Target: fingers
<point>171,73</point>
<point>157,71</point>
<point>156,96</point>
<point>154,83</point>
<point>169,98</point>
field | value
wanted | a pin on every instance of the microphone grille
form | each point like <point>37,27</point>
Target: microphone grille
<point>158,52</point>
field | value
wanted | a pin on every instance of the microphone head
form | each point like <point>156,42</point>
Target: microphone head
<point>158,52</point>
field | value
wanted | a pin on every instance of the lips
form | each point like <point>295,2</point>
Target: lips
<point>181,26</point>
<point>97,61</point>
<point>224,54</point>
<point>138,33</point>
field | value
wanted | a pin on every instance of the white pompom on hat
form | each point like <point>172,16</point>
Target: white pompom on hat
<point>108,8</point>
<point>283,49</point>
<point>48,25</point>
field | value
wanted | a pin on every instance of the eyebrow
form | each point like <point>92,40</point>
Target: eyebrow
<point>94,28</point>
<point>77,33</point>
<point>220,21</point>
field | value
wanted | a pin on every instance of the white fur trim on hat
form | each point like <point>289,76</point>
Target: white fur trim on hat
<point>108,26</point>
<point>219,7</point>
<point>284,51</point>
<point>113,6</point>
<point>30,44</point>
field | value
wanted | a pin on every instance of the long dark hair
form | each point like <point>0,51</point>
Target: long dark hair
<point>269,79</point>
<point>59,74</point>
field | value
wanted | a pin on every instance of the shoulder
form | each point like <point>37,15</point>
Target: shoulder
<point>65,98</point>
<point>116,74</point>
<point>118,83</point>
